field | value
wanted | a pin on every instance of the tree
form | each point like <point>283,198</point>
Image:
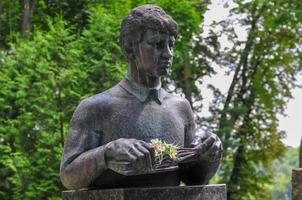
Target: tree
<point>28,7</point>
<point>189,64</point>
<point>265,66</point>
<point>9,21</point>
<point>65,59</point>
<point>300,154</point>
<point>282,168</point>
<point>39,88</point>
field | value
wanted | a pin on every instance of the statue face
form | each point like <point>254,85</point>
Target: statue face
<point>155,53</point>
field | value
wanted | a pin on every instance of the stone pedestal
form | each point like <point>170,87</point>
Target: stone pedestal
<point>297,184</point>
<point>202,192</point>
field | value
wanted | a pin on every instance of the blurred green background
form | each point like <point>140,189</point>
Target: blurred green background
<point>54,53</point>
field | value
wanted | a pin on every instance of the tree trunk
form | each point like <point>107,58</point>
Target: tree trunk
<point>28,7</point>
<point>188,81</point>
<point>236,172</point>
<point>240,73</point>
<point>61,118</point>
<point>300,155</point>
<point>0,10</point>
<point>240,162</point>
<point>0,20</point>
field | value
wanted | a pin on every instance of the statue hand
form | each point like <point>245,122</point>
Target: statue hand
<point>205,147</point>
<point>129,154</point>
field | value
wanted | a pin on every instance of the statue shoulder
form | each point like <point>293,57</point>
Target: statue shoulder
<point>95,101</point>
<point>181,104</point>
<point>176,99</point>
<point>93,105</point>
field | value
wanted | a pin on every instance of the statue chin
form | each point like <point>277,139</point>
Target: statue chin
<point>164,71</point>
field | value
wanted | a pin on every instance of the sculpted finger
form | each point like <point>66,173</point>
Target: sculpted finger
<point>186,158</point>
<point>185,154</point>
<point>147,145</point>
<point>151,150</point>
<point>218,146</point>
<point>133,151</point>
<point>165,162</point>
<point>125,157</point>
<point>215,152</point>
<point>147,156</point>
<point>184,149</point>
<point>131,157</point>
<point>199,137</point>
<point>138,157</point>
<point>213,149</point>
<point>218,141</point>
<point>219,150</point>
<point>217,156</point>
<point>167,159</point>
<point>207,143</point>
<point>163,165</point>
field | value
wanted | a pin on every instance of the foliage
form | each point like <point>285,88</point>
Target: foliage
<point>264,67</point>
<point>9,21</point>
<point>42,81</point>
<point>189,64</point>
<point>38,92</point>
<point>282,168</point>
<point>43,78</point>
<point>73,52</point>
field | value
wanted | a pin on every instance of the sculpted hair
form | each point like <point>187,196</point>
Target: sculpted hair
<point>138,21</point>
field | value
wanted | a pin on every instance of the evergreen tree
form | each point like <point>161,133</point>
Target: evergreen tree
<point>44,76</point>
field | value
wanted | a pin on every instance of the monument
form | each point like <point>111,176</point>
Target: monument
<point>135,139</point>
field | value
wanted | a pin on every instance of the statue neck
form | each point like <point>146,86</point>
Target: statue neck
<point>144,79</point>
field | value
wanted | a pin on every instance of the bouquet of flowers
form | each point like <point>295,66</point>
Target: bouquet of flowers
<point>165,154</point>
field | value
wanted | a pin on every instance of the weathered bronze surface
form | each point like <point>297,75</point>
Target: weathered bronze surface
<point>108,145</point>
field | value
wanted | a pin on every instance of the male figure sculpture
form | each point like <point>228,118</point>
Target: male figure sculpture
<point>116,126</point>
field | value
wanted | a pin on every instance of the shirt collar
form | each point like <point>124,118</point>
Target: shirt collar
<point>140,91</point>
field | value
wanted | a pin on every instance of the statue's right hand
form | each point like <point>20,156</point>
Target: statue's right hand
<point>129,154</point>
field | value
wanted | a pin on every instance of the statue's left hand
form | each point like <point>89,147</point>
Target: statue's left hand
<point>205,147</point>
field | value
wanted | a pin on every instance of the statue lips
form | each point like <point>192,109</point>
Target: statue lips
<point>164,66</point>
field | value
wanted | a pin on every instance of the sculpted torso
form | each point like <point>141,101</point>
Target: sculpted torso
<point>110,132</point>
<point>121,118</point>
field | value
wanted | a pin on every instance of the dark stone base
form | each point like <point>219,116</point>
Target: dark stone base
<point>297,184</point>
<point>201,192</point>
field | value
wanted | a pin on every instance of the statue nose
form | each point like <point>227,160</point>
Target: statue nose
<point>167,53</point>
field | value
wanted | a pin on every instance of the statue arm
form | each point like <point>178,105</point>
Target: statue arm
<point>83,158</point>
<point>200,170</point>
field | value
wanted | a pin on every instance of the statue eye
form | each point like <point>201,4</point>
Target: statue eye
<point>171,44</point>
<point>159,45</point>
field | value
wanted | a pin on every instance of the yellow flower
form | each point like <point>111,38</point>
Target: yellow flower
<point>157,146</point>
<point>163,149</point>
<point>166,146</point>
<point>173,152</point>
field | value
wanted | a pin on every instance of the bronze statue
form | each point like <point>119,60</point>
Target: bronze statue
<point>108,144</point>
